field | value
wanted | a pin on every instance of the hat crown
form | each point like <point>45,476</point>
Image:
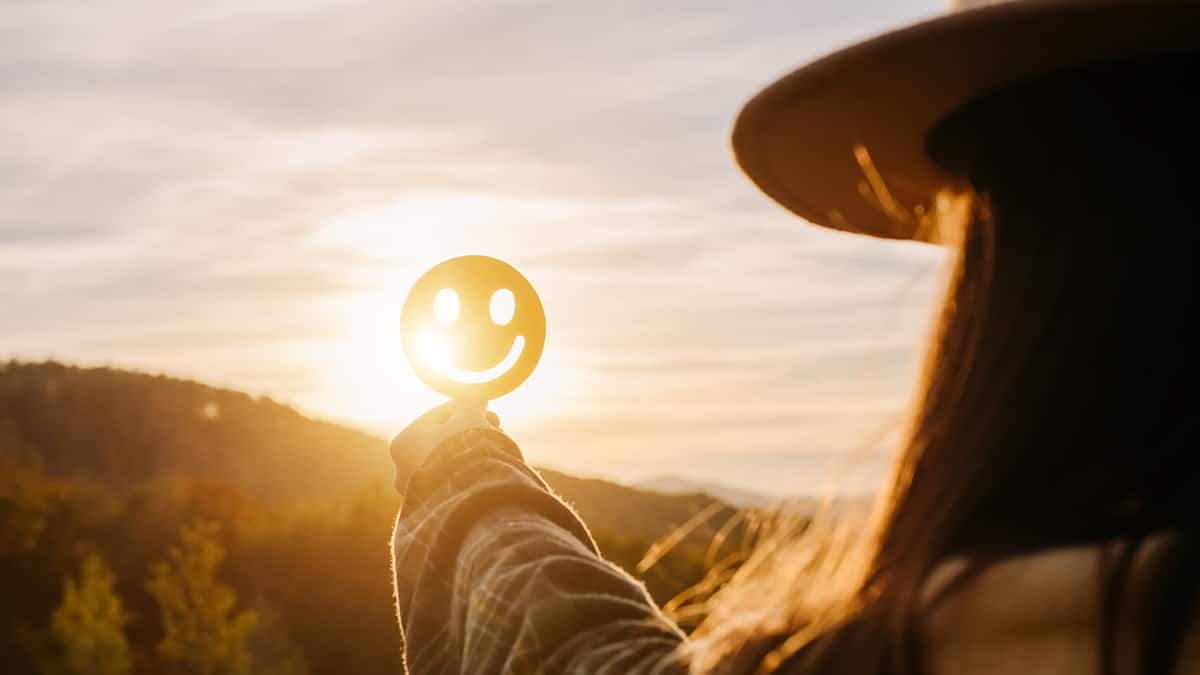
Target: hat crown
<point>816,142</point>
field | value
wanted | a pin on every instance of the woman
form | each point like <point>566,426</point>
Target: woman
<point>1041,514</point>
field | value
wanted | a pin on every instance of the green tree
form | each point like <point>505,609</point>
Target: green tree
<point>202,634</point>
<point>88,627</point>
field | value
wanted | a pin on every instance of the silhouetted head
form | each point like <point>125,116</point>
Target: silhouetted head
<point>1054,400</point>
<point>1055,394</point>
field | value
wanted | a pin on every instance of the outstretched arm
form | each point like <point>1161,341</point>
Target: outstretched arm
<point>495,574</point>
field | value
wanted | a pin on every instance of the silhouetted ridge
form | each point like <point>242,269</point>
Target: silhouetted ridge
<point>123,429</point>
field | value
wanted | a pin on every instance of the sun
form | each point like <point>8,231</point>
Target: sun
<point>362,375</point>
<point>366,380</point>
<point>372,384</point>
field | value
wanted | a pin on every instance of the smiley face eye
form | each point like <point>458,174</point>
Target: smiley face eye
<point>503,306</point>
<point>446,306</point>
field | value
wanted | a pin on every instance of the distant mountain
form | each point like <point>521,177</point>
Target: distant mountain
<point>807,505</point>
<point>636,512</point>
<point>119,463</point>
<point>674,485</point>
<point>124,429</point>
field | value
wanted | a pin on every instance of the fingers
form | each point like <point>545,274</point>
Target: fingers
<point>474,405</point>
<point>411,446</point>
<point>471,413</point>
<point>437,415</point>
<point>468,413</point>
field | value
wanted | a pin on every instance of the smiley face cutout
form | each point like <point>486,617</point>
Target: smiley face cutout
<point>473,327</point>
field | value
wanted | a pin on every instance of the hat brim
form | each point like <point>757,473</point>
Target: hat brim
<point>841,142</point>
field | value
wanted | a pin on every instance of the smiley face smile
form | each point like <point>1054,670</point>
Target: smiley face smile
<point>435,353</point>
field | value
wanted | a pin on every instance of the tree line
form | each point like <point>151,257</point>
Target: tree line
<point>151,525</point>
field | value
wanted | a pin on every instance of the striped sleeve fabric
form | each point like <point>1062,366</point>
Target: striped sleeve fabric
<point>495,574</point>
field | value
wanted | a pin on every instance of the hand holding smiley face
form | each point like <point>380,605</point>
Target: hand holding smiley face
<point>473,328</point>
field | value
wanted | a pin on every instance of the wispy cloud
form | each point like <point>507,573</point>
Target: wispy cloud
<point>241,191</point>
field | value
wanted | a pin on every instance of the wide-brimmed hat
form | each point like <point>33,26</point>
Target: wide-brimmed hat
<point>842,141</point>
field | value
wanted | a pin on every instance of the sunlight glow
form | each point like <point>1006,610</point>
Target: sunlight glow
<point>364,374</point>
<point>433,351</point>
<point>424,226</point>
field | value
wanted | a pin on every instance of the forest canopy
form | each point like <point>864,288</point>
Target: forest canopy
<point>150,524</point>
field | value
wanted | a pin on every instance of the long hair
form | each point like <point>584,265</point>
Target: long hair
<point>1052,401</point>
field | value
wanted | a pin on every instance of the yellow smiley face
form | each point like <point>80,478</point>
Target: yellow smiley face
<point>473,327</point>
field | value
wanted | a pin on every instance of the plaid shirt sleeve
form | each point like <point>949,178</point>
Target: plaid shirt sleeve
<point>495,574</point>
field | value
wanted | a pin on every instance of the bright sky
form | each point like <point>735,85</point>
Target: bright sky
<point>241,192</point>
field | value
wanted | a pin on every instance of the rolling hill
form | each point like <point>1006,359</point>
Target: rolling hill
<point>124,429</point>
<point>118,464</point>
